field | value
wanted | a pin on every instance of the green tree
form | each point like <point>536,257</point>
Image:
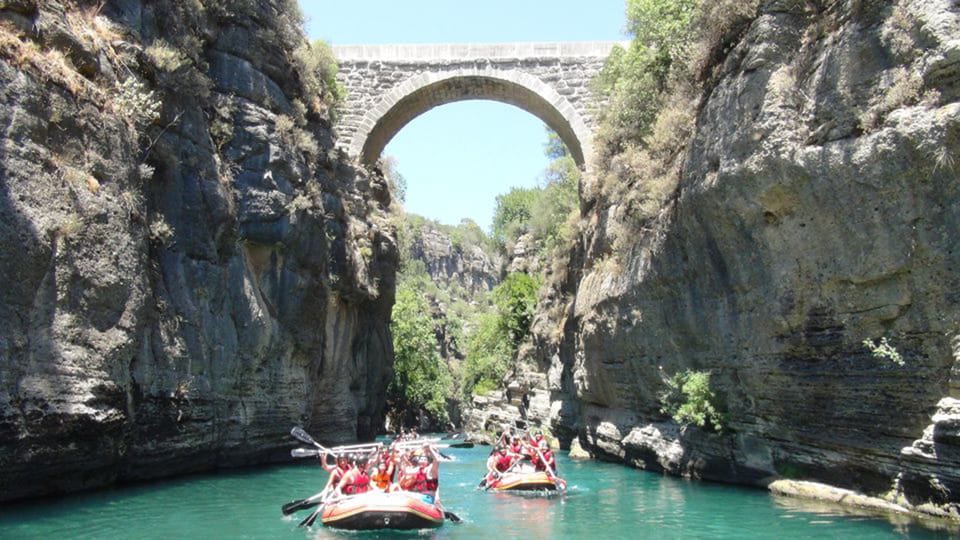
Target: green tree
<point>558,198</point>
<point>421,378</point>
<point>511,217</point>
<point>554,147</point>
<point>688,399</point>
<point>516,301</point>
<point>489,355</point>
<point>396,181</point>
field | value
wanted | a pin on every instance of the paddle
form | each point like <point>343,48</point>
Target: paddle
<point>311,518</point>
<point>303,504</point>
<point>304,437</point>
<point>446,513</point>
<point>546,466</point>
<point>304,452</point>
<point>308,522</point>
<point>451,516</point>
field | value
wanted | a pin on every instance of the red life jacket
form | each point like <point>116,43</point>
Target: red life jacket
<point>360,484</point>
<point>504,462</point>
<point>420,482</point>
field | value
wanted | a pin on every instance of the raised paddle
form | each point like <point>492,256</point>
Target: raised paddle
<point>304,437</point>
<point>304,452</point>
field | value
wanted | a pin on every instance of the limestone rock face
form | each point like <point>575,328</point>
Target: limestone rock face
<point>468,266</point>
<point>818,206</point>
<point>179,289</point>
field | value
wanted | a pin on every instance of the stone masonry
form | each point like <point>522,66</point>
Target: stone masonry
<point>390,85</point>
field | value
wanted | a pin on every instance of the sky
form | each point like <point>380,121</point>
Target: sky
<point>457,158</point>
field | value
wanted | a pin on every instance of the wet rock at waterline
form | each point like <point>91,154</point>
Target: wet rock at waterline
<point>188,269</point>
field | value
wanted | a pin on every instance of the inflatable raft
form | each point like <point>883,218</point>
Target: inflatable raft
<point>377,510</point>
<point>524,481</point>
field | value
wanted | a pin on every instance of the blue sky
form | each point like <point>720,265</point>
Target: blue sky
<point>457,158</point>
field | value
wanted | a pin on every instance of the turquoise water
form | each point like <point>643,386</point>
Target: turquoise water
<point>604,501</point>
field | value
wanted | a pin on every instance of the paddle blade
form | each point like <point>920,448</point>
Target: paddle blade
<point>462,445</point>
<point>304,452</point>
<point>311,518</point>
<point>451,516</point>
<point>302,436</point>
<point>296,506</point>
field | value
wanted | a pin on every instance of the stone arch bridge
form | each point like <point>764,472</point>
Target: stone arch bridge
<point>390,85</point>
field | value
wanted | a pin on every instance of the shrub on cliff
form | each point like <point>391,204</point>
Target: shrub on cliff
<point>489,355</point>
<point>421,378</point>
<point>516,301</point>
<point>318,68</point>
<point>492,344</point>
<point>544,211</point>
<point>688,399</point>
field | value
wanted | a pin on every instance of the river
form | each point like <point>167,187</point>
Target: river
<point>604,501</point>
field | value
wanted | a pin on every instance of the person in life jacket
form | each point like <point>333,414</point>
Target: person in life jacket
<point>340,466</point>
<point>383,473</point>
<point>549,461</point>
<point>423,476</point>
<point>356,480</point>
<point>500,461</point>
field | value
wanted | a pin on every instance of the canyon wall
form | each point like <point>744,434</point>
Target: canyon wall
<point>817,206</point>
<point>189,268</point>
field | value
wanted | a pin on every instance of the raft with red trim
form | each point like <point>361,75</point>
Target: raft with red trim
<point>524,481</point>
<point>377,510</point>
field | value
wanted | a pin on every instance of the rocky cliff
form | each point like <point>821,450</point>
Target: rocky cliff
<point>451,260</point>
<point>817,206</point>
<point>189,268</point>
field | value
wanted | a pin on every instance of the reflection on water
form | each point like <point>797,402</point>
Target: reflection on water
<point>603,501</point>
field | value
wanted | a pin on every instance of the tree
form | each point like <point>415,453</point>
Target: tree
<point>512,214</point>
<point>421,378</point>
<point>395,180</point>
<point>489,354</point>
<point>516,301</point>
<point>554,147</point>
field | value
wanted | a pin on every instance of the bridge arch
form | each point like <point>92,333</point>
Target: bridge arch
<point>427,90</point>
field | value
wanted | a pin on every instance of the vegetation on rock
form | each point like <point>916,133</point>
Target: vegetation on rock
<point>688,399</point>
<point>421,378</point>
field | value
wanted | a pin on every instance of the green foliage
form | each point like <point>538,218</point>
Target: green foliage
<point>556,201</point>
<point>492,344</point>
<point>468,235</point>
<point>511,217</point>
<point>395,180</point>
<point>318,71</point>
<point>544,211</point>
<point>689,400</point>
<point>421,378</point>
<point>489,355</point>
<point>554,147</point>
<point>884,351</point>
<point>516,301</point>
<point>670,38</point>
